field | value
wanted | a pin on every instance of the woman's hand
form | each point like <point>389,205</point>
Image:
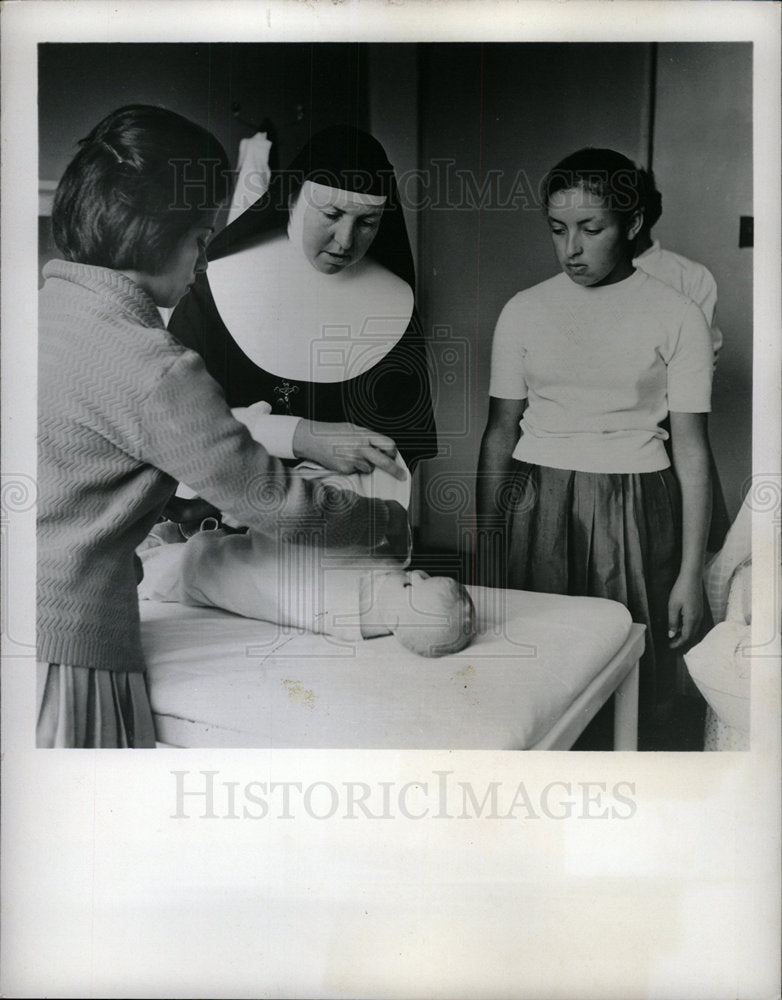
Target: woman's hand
<point>685,610</point>
<point>345,447</point>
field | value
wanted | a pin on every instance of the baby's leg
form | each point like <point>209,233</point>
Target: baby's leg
<point>162,580</point>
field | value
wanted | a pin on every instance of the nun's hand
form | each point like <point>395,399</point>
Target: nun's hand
<point>345,447</point>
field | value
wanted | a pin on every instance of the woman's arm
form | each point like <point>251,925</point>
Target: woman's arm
<point>341,447</point>
<point>494,465</point>
<point>691,465</point>
<point>499,439</point>
<point>274,431</point>
<point>187,431</point>
<point>345,447</point>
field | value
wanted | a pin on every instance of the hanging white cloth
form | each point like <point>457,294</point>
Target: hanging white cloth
<point>253,174</point>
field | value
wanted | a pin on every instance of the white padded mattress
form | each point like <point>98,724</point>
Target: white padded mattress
<point>218,680</point>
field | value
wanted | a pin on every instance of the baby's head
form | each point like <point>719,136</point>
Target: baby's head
<point>429,615</point>
<point>144,179</point>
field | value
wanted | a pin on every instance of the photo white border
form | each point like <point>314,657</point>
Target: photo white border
<point>105,895</point>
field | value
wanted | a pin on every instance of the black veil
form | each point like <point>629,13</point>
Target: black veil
<point>342,157</point>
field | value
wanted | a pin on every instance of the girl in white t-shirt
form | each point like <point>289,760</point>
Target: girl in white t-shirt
<point>573,468</point>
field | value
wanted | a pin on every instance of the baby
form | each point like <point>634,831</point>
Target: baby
<point>305,587</point>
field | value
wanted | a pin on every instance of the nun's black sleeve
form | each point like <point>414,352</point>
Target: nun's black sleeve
<point>196,323</point>
<point>395,397</point>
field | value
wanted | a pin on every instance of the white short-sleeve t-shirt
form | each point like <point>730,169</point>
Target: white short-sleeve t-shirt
<point>601,368</point>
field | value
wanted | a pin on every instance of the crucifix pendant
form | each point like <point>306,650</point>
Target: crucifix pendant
<point>285,389</point>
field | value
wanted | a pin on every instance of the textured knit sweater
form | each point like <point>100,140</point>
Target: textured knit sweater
<point>125,411</point>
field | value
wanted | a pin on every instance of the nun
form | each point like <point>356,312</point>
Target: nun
<point>307,317</point>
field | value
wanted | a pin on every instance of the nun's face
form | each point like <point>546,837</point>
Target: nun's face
<point>334,228</point>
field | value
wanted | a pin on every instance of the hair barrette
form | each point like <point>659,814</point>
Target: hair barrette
<point>112,150</point>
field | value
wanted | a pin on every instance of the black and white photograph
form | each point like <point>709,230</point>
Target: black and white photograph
<point>402,402</point>
<point>445,373</point>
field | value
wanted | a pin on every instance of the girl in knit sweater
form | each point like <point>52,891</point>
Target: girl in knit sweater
<point>125,412</point>
<point>585,368</point>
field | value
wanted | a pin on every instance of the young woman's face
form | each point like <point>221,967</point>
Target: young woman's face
<point>188,260</point>
<point>592,243</point>
<point>334,228</point>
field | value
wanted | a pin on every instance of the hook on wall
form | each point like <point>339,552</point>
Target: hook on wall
<point>266,124</point>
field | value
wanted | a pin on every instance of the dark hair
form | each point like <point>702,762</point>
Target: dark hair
<point>143,178</point>
<point>608,174</point>
<point>652,200</point>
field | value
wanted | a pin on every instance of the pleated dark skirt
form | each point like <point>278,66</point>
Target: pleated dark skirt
<point>79,707</point>
<point>616,536</point>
